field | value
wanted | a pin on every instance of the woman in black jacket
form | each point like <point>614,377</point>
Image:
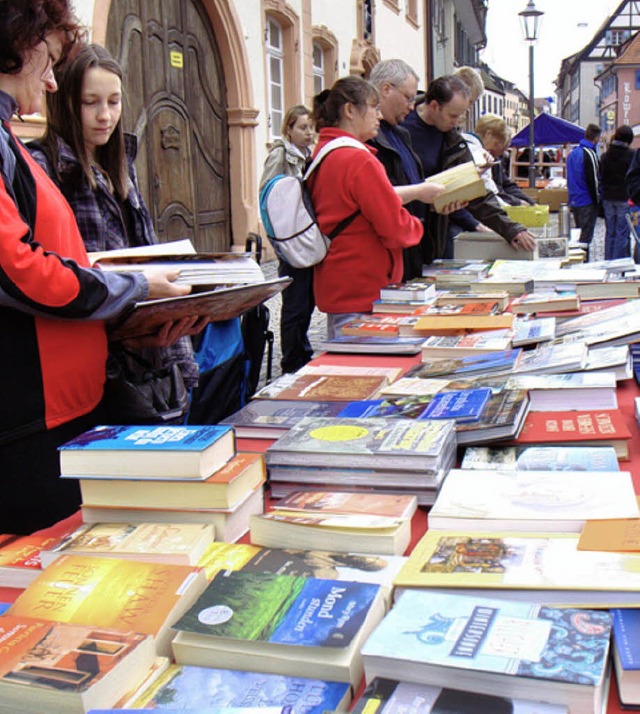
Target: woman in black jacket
<point>613,169</point>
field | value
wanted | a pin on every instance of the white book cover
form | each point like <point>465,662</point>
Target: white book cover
<point>508,499</point>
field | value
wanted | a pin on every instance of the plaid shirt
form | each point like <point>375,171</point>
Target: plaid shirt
<point>101,223</point>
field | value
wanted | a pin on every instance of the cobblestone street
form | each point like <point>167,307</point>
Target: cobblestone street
<point>318,328</point>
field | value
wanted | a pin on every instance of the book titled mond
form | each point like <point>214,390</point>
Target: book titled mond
<point>283,624</point>
<point>154,452</point>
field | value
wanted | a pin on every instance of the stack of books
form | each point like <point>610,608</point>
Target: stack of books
<point>384,455</point>
<point>166,474</point>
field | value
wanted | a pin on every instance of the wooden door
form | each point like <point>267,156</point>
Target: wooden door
<point>175,102</point>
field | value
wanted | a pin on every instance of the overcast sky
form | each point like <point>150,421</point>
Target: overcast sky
<point>567,26</point>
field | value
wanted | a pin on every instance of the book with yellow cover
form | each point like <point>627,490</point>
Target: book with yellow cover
<point>542,567</point>
<point>114,593</point>
<point>615,534</point>
<point>461,183</point>
<point>225,488</point>
<point>443,324</point>
<point>177,543</point>
<point>20,557</point>
<point>58,667</point>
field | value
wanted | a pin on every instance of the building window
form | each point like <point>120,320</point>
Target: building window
<point>412,11</point>
<point>318,68</point>
<point>275,78</point>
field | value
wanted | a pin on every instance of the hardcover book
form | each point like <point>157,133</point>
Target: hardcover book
<point>281,624</point>
<point>544,302</point>
<point>224,489</point>
<point>323,387</point>
<point>148,451</point>
<point>487,646</point>
<point>372,345</point>
<point>271,418</point>
<point>216,305</point>
<point>112,593</point>
<point>514,565</point>
<point>340,532</point>
<point>503,500</point>
<point>58,667</point>
<point>184,688</point>
<point>584,390</point>
<point>626,662</point>
<point>592,428</point>
<point>390,696</point>
<point>502,418</point>
<point>533,331</point>
<point>467,322</point>
<point>621,535</point>
<point>176,543</point>
<point>541,458</point>
<point>461,182</point>
<point>439,346</point>
<point>405,444</point>
<point>408,291</point>
<point>345,502</point>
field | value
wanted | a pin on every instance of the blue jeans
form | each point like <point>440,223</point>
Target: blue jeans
<point>616,242</point>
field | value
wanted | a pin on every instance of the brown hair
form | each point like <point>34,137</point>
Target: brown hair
<point>291,117</point>
<point>24,24</point>
<point>494,125</point>
<point>327,106</point>
<point>64,119</point>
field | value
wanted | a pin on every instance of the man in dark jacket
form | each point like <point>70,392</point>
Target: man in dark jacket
<point>583,183</point>
<point>435,137</point>
<point>614,165</point>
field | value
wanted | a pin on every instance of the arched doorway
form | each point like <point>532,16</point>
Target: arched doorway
<point>176,105</point>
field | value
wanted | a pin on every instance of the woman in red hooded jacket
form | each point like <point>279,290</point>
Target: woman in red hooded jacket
<point>367,255</point>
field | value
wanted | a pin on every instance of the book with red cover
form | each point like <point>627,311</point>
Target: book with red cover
<point>596,428</point>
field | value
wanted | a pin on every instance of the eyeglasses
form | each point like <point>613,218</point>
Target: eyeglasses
<point>410,98</point>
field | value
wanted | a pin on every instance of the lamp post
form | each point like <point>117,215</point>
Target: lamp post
<point>530,18</point>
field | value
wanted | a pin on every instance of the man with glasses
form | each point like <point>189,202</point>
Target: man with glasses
<point>437,141</point>
<point>397,83</point>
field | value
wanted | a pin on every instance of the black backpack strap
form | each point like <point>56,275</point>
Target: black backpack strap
<point>343,224</point>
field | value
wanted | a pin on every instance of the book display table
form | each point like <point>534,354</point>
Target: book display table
<point>626,393</point>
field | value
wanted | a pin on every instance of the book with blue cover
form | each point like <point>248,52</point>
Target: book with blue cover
<point>520,649</point>
<point>156,451</point>
<point>626,654</point>
<point>183,688</point>
<point>463,405</point>
<point>281,624</point>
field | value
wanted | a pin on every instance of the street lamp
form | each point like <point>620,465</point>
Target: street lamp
<point>530,18</point>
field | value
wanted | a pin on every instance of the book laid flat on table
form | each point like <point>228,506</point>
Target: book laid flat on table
<point>225,488</point>
<point>147,317</point>
<point>541,458</point>
<point>229,523</point>
<point>405,444</point>
<point>593,428</point>
<point>363,568</point>
<point>583,390</point>
<point>465,322</point>
<point>502,418</point>
<point>463,405</point>
<point>408,291</point>
<point>185,688</point>
<point>372,345</point>
<point>533,331</point>
<point>177,543</point>
<point>339,502</point>
<point>554,358</point>
<point>497,362</point>
<point>626,661</point>
<point>447,297</point>
<point>57,667</point>
<point>271,418</point>
<point>114,593</point>
<point>439,346</point>
<point>148,451</point>
<point>281,624</point>
<point>390,696</point>
<point>20,558</point>
<point>340,532</point>
<point>621,535</point>
<point>323,387</point>
<point>544,302</point>
<point>519,649</point>
<point>541,567</point>
<point>502,500</point>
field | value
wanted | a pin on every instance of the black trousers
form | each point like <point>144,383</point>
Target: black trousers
<point>298,304</point>
<point>33,494</point>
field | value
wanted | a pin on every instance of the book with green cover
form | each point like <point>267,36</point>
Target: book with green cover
<point>280,624</point>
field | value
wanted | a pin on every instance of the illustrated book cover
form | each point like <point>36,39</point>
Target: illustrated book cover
<point>177,543</point>
<point>626,658</point>
<point>113,593</point>
<point>515,565</point>
<point>165,451</point>
<point>541,458</point>
<point>520,649</point>
<point>281,624</point>
<point>462,405</point>
<point>55,666</point>
<point>323,387</point>
<point>383,443</point>
<point>349,502</point>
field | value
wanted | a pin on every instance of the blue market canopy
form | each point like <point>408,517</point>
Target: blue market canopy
<point>549,130</point>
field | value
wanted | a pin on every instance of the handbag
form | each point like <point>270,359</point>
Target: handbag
<point>139,389</point>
